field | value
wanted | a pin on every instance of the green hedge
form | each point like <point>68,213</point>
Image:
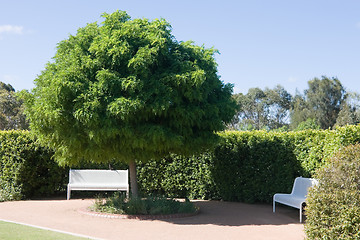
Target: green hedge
<point>244,166</point>
<point>313,148</point>
<point>177,176</point>
<point>252,166</point>
<point>27,169</point>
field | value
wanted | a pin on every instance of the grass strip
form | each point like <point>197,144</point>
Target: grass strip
<point>14,231</point>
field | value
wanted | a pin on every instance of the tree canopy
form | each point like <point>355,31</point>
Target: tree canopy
<point>349,113</point>
<point>11,109</point>
<point>325,97</point>
<point>262,109</point>
<point>127,89</point>
<point>325,104</point>
<point>322,101</point>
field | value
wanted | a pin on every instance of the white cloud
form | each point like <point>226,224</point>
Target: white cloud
<point>11,29</point>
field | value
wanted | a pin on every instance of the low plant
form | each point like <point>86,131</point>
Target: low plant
<point>119,204</point>
<point>333,207</point>
<point>9,192</point>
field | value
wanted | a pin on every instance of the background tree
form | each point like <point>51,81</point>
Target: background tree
<point>258,109</point>
<point>350,110</point>
<point>321,101</point>
<point>279,101</point>
<point>299,112</point>
<point>127,90</point>
<point>253,109</point>
<point>11,109</point>
<point>310,123</point>
<point>325,97</point>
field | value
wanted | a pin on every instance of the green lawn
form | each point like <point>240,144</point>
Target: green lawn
<point>20,232</point>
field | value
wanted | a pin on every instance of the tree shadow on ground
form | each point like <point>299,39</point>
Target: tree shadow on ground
<point>224,213</point>
<point>239,214</point>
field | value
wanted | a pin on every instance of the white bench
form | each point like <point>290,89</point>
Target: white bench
<point>98,180</point>
<point>297,197</point>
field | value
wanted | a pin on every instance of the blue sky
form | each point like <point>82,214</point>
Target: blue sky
<point>261,43</point>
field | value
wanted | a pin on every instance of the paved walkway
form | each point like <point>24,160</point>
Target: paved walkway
<point>217,220</point>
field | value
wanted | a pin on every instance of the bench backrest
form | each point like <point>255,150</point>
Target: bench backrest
<point>301,186</point>
<point>98,176</point>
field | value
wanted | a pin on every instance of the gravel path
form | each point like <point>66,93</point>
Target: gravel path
<point>216,220</point>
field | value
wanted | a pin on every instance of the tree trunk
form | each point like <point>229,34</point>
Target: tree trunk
<point>133,180</point>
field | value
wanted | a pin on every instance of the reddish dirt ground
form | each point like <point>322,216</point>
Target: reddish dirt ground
<point>216,220</point>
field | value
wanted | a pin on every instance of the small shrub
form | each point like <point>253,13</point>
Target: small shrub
<point>118,204</point>
<point>9,191</point>
<point>333,207</point>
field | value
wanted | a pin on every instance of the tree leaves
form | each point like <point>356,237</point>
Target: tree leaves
<point>126,89</point>
<point>258,109</point>
<point>11,109</point>
<point>322,101</point>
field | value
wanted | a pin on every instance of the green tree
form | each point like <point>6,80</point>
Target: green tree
<point>11,109</point>
<point>262,109</point>
<point>253,110</point>
<point>310,123</point>
<point>350,110</point>
<point>279,101</point>
<point>299,112</point>
<point>325,97</point>
<point>128,90</point>
<point>346,116</point>
<point>321,101</point>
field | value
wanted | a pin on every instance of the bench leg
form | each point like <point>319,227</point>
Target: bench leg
<point>301,210</point>
<point>68,193</point>
<point>273,206</point>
